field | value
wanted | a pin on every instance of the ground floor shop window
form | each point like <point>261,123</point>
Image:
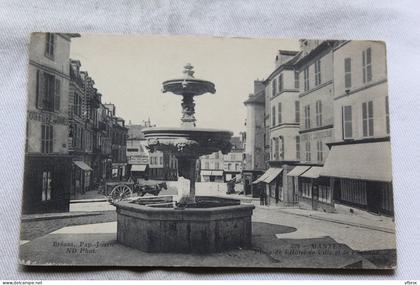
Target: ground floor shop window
<point>324,194</point>
<point>353,191</point>
<point>46,185</point>
<point>387,198</point>
<point>306,190</point>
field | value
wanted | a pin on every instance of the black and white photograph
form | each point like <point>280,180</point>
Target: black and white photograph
<point>199,151</point>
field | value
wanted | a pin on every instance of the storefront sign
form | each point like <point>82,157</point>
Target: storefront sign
<point>47,118</point>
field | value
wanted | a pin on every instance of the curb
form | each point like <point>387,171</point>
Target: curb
<point>380,229</point>
<point>58,216</point>
<point>88,200</point>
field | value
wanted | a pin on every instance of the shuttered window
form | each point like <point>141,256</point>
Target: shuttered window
<point>367,65</point>
<point>347,73</point>
<point>318,113</point>
<point>306,79</point>
<point>279,119</point>
<point>46,138</point>
<point>297,138</point>
<point>347,122</point>
<point>48,92</point>
<point>317,72</point>
<point>367,118</point>
<point>50,40</point>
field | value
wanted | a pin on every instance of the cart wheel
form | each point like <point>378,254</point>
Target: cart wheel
<point>120,192</point>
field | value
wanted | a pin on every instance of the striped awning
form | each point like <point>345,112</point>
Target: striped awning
<point>269,175</point>
<point>298,170</point>
<point>82,165</point>
<point>313,172</point>
<point>138,167</point>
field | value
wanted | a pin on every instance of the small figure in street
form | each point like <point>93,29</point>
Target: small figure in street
<point>263,200</point>
<point>231,186</point>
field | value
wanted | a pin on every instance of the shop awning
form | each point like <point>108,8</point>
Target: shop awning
<point>269,175</point>
<point>313,172</point>
<point>82,165</point>
<point>217,172</point>
<point>298,170</point>
<point>139,167</point>
<point>364,161</point>
<point>205,172</point>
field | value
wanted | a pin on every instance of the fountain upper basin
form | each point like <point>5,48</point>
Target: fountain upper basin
<point>187,141</point>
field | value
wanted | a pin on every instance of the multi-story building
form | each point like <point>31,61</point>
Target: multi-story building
<point>137,154</point>
<point>211,167</point>
<point>118,134</point>
<point>316,83</point>
<point>234,160</point>
<point>103,143</point>
<point>144,164</point>
<point>255,137</point>
<point>47,181</point>
<point>341,154</point>
<point>282,87</point>
<point>359,162</point>
<point>84,101</point>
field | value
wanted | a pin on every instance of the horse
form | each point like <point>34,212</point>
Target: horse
<point>152,189</point>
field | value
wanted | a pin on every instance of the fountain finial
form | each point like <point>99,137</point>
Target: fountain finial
<point>188,71</point>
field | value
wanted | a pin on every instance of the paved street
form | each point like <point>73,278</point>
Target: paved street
<point>279,237</point>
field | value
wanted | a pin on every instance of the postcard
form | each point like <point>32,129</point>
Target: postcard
<point>187,151</point>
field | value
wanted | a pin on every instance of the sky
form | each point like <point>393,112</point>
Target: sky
<point>129,70</point>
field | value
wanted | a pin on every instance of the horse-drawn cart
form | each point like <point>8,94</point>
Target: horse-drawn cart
<point>122,190</point>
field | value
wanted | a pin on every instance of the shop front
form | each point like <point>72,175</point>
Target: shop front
<point>294,175</point>
<point>271,185</point>
<point>138,171</point>
<point>82,181</point>
<point>47,183</point>
<point>248,176</point>
<point>211,175</point>
<point>316,191</point>
<point>361,175</point>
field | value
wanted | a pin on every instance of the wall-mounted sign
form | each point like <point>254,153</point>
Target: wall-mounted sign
<point>48,118</point>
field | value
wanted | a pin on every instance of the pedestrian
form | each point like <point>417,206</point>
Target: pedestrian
<point>262,195</point>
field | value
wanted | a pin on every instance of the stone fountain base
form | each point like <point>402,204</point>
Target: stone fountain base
<point>220,224</point>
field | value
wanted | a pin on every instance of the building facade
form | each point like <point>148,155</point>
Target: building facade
<point>47,161</point>
<point>336,152</point>
<point>362,132</point>
<point>144,164</point>
<point>255,137</point>
<point>233,161</point>
<point>118,134</point>
<point>211,167</point>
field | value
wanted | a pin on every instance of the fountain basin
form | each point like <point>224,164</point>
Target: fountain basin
<point>188,230</point>
<point>187,141</point>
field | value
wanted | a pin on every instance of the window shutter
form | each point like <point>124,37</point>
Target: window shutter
<point>40,92</point>
<point>57,93</point>
<point>37,88</point>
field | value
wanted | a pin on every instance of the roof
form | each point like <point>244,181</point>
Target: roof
<point>287,65</point>
<point>259,98</point>
<point>364,161</point>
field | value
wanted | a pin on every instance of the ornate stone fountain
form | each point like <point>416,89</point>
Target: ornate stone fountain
<point>194,224</point>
